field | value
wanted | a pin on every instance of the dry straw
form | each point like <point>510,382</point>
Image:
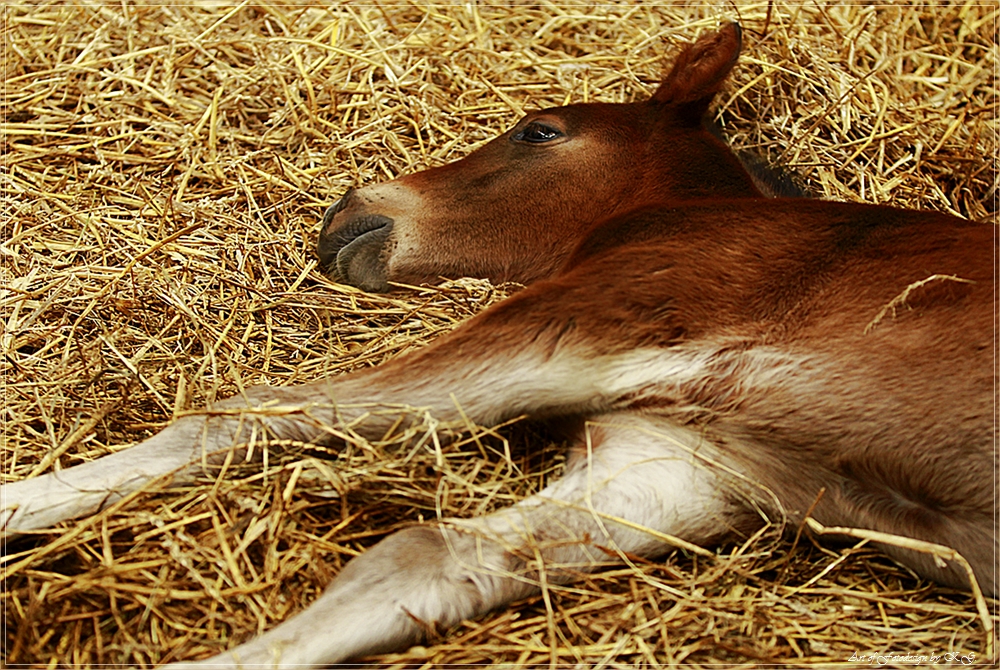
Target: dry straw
<point>164,170</point>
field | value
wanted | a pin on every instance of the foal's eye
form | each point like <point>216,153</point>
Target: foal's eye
<point>537,133</point>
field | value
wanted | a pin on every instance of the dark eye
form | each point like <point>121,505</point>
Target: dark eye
<point>537,133</point>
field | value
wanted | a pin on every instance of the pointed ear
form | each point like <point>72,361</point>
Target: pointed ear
<point>699,71</point>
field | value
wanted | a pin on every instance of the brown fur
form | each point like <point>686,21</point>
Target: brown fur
<point>895,421</point>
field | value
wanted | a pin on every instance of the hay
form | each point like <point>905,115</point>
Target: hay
<point>165,168</point>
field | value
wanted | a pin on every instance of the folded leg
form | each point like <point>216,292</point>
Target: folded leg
<point>631,484</point>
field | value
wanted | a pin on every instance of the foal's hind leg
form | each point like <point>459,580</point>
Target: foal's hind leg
<point>635,476</point>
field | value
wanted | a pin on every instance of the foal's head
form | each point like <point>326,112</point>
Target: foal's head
<point>516,208</point>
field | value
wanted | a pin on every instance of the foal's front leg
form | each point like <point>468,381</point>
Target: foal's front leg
<point>636,475</point>
<point>537,353</point>
<point>199,439</point>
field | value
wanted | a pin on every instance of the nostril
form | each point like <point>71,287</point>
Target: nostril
<point>341,204</point>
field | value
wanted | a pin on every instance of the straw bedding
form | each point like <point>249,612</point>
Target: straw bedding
<point>165,168</point>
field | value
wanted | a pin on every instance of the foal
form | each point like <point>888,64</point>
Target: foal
<point>727,358</point>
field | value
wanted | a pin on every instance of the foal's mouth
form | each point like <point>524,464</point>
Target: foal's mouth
<point>352,253</point>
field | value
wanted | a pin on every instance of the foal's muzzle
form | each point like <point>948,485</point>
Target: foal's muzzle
<point>353,248</point>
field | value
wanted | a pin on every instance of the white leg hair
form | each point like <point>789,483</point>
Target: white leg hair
<point>634,476</point>
<point>41,502</point>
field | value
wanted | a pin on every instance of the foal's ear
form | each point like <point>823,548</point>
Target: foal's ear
<point>699,71</point>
